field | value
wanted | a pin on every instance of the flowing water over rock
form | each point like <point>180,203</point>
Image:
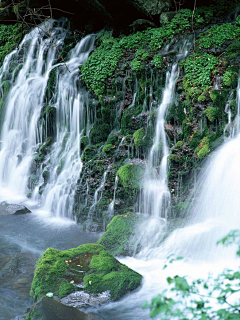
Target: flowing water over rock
<point>56,177</point>
<point>155,196</point>
<point>20,133</point>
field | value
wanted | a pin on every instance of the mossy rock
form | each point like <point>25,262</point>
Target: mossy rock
<point>119,231</point>
<point>212,113</point>
<point>130,176</point>
<point>90,265</point>
<point>178,145</point>
<point>107,148</point>
<point>84,141</point>
<point>230,78</point>
<point>88,153</point>
<point>203,149</point>
<point>99,133</point>
<point>138,137</point>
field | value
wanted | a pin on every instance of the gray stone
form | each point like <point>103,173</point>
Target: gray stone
<point>12,208</point>
<point>152,7</point>
<point>50,309</point>
<point>80,299</point>
<point>166,17</point>
<point>142,24</point>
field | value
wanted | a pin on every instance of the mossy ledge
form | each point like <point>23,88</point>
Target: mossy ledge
<point>119,237</point>
<point>89,267</point>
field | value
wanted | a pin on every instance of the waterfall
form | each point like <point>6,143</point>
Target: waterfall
<point>20,133</point>
<point>215,211</point>
<point>23,130</point>
<point>64,161</point>
<point>155,196</point>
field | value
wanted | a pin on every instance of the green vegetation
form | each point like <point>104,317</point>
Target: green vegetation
<point>99,132</point>
<point>138,137</point>
<point>107,148</point>
<point>117,238</point>
<point>100,65</point>
<point>198,69</point>
<point>217,35</point>
<point>140,47</point>
<point>178,145</point>
<point>57,270</point>
<point>203,149</point>
<point>200,299</point>
<point>130,176</point>
<point>211,113</point>
<point>157,61</point>
<point>230,78</point>
<point>10,35</point>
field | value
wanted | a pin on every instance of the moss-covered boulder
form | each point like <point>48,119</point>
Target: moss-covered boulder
<point>119,236</point>
<point>89,267</point>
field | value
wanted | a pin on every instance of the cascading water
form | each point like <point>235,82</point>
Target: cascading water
<point>155,196</point>
<point>215,212</point>
<point>22,132</point>
<point>64,161</point>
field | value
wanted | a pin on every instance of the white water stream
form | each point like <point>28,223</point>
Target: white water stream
<point>155,197</point>
<point>22,133</point>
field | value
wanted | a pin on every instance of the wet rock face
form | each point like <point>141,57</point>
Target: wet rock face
<point>152,7</point>
<point>49,309</point>
<point>16,272</point>
<point>80,299</point>
<point>11,208</point>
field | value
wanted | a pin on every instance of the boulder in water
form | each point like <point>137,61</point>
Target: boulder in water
<point>12,208</point>
<point>49,309</point>
<point>89,268</point>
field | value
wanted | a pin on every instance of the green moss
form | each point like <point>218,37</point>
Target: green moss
<point>130,176</point>
<point>212,113</point>
<point>230,78</point>
<point>178,145</point>
<point>173,158</point>
<point>110,55</point>
<point>56,270</point>
<point>137,65</point>
<point>89,153</point>
<point>51,84</point>
<point>129,123</point>
<point>99,133</point>
<point>107,148</point>
<point>138,137</point>
<point>117,282</point>
<point>203,149</point>
<point>84,141</point>
<point>203,152</point>
<point>201,98</point>
<point>33,315</point>
<point>214,95</point>
<point>116,239</point>
<point>10,36</point>
<point>65,288</point>
<point>233,50</point>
